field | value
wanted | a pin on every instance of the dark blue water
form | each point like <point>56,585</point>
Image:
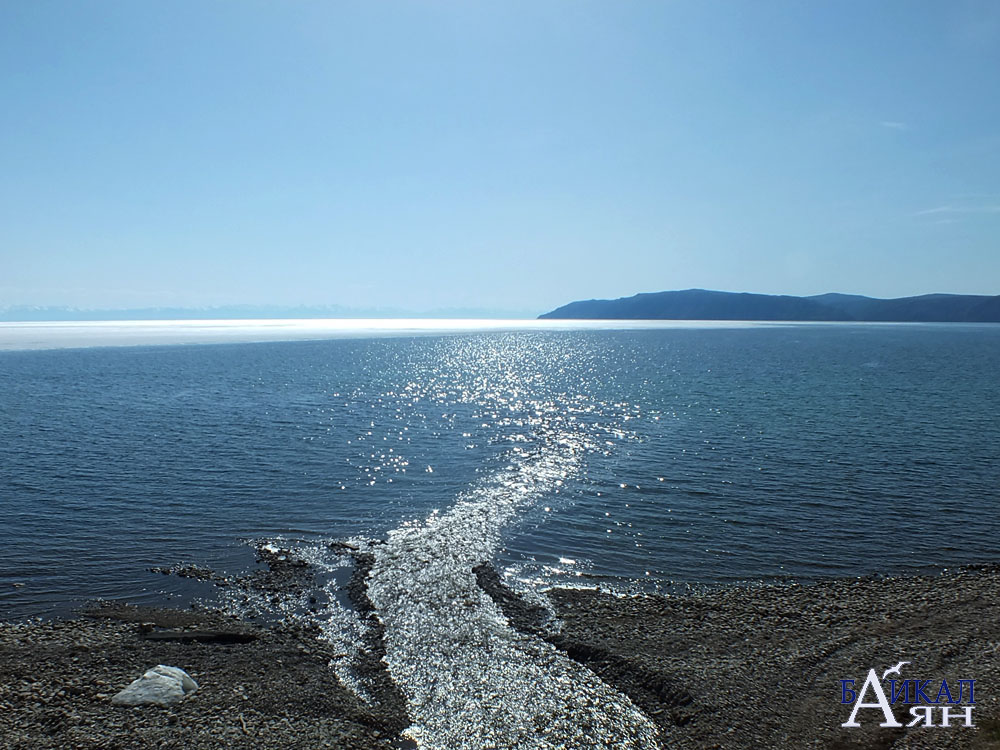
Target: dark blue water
<point>685,455</point>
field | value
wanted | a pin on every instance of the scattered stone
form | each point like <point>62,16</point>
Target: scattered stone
<point>194,572</point>
<point>349,546</point>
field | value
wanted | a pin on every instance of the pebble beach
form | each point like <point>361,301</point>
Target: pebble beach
<point>734,667</point>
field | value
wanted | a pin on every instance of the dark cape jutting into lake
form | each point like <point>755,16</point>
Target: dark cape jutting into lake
<point>702,304</point>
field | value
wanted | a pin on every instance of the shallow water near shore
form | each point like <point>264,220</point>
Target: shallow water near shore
<point>696,455</point>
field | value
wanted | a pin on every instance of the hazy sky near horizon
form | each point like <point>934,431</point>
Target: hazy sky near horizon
<point>512,155</point>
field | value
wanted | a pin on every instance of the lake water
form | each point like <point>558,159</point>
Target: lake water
<point>647,458</point>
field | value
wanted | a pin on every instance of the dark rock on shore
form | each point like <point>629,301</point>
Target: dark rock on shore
<point>368,664</point>
<point>522,615</point>
<point>194,572</point>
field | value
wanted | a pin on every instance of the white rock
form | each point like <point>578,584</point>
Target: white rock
<point>160,686</point>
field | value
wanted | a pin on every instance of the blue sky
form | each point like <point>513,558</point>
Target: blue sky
<point>513,155</point>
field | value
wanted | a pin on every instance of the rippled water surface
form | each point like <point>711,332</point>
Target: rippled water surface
<point>644,458</point>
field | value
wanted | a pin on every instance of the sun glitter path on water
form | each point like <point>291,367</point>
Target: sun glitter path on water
<point>471,680</point>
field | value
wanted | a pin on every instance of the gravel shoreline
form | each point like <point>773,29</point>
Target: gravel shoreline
<point>737,667</point>
<point>760,667</point>
<point>275,690</point>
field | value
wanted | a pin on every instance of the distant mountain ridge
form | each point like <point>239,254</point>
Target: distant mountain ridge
<point>702,304</point>
<point>28,313</point>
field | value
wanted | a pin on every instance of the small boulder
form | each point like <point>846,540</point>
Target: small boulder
<point>160,686</point>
